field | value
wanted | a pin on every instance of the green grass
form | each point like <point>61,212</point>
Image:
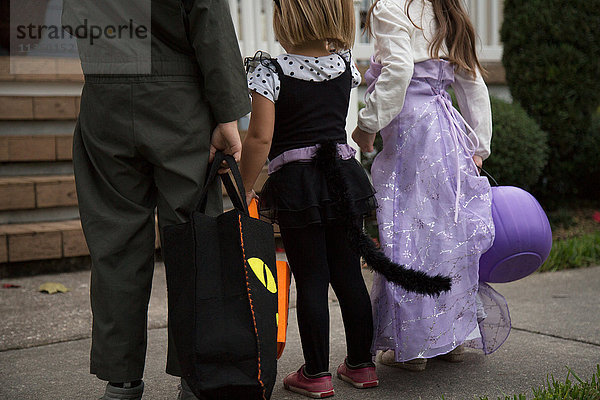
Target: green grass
<point>575,252</point>
<point>568,390</point>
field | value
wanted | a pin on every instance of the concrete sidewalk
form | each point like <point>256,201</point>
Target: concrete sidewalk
<point>44,343</point>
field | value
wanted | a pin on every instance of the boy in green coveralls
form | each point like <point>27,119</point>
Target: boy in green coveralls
<point>154,108</point>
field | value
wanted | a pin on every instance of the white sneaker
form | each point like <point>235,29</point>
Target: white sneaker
<point>455,356</point>
<point>389,358</point>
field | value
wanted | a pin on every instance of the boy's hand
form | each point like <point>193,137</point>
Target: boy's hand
<point>226,138</point>
<point>364,140</point>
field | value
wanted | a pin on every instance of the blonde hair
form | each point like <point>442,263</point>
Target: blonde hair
<point>300,21</point>
<point>455,30</point>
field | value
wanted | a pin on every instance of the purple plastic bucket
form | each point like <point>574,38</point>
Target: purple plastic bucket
<point>523,236</point>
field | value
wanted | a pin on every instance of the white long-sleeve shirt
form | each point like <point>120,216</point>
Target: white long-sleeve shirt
<point>399,44</point>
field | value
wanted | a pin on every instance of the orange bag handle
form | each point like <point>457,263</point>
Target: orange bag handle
<point>283,303</point>
<point>253,208</point>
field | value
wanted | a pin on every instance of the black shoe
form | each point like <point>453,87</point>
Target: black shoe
<point>123,393</point>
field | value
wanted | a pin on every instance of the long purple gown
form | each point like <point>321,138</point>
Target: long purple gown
<point>434,215</point>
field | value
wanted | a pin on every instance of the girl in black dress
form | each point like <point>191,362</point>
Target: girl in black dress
<point>299,106</point>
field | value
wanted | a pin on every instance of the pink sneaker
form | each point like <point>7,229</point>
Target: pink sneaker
<point>317,388</point>
<point>362,376</point>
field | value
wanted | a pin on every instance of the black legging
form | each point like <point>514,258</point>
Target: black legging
<point>319,255</point>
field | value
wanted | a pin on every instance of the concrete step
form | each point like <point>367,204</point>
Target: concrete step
<point>39,107</point>
<point>42,147</point>
<point>36,128</point>
<point>36,168</point>
<point>40,70</point>
<point>44,241</point>
<point>32,192</point>
<point>41,241</point>
<point>51,214</point>
<point>38,90</point>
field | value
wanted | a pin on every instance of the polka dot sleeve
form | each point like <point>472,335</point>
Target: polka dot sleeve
<point>264,82</point>
<point>356,77</point>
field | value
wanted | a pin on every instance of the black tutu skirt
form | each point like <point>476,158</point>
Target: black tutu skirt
<point>300,194</point>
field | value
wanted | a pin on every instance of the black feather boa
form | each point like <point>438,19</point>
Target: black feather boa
<point>411,280</point>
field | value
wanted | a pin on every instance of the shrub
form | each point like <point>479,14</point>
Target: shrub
<point>552,62</point>
<point>519,146</point>
<point>576,252</point>
<point>587,174</point>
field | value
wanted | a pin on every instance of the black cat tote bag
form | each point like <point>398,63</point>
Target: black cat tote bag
<point>222,291</point>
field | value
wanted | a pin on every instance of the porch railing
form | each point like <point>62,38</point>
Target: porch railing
<point>253,22</point>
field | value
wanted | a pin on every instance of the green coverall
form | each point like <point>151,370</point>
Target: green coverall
<point>141,142</point>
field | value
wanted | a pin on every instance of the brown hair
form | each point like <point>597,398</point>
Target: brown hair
<point>454,29</point>
<point>300,21</point>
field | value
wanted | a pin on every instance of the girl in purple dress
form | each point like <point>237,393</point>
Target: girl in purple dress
<point>434,210</point>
